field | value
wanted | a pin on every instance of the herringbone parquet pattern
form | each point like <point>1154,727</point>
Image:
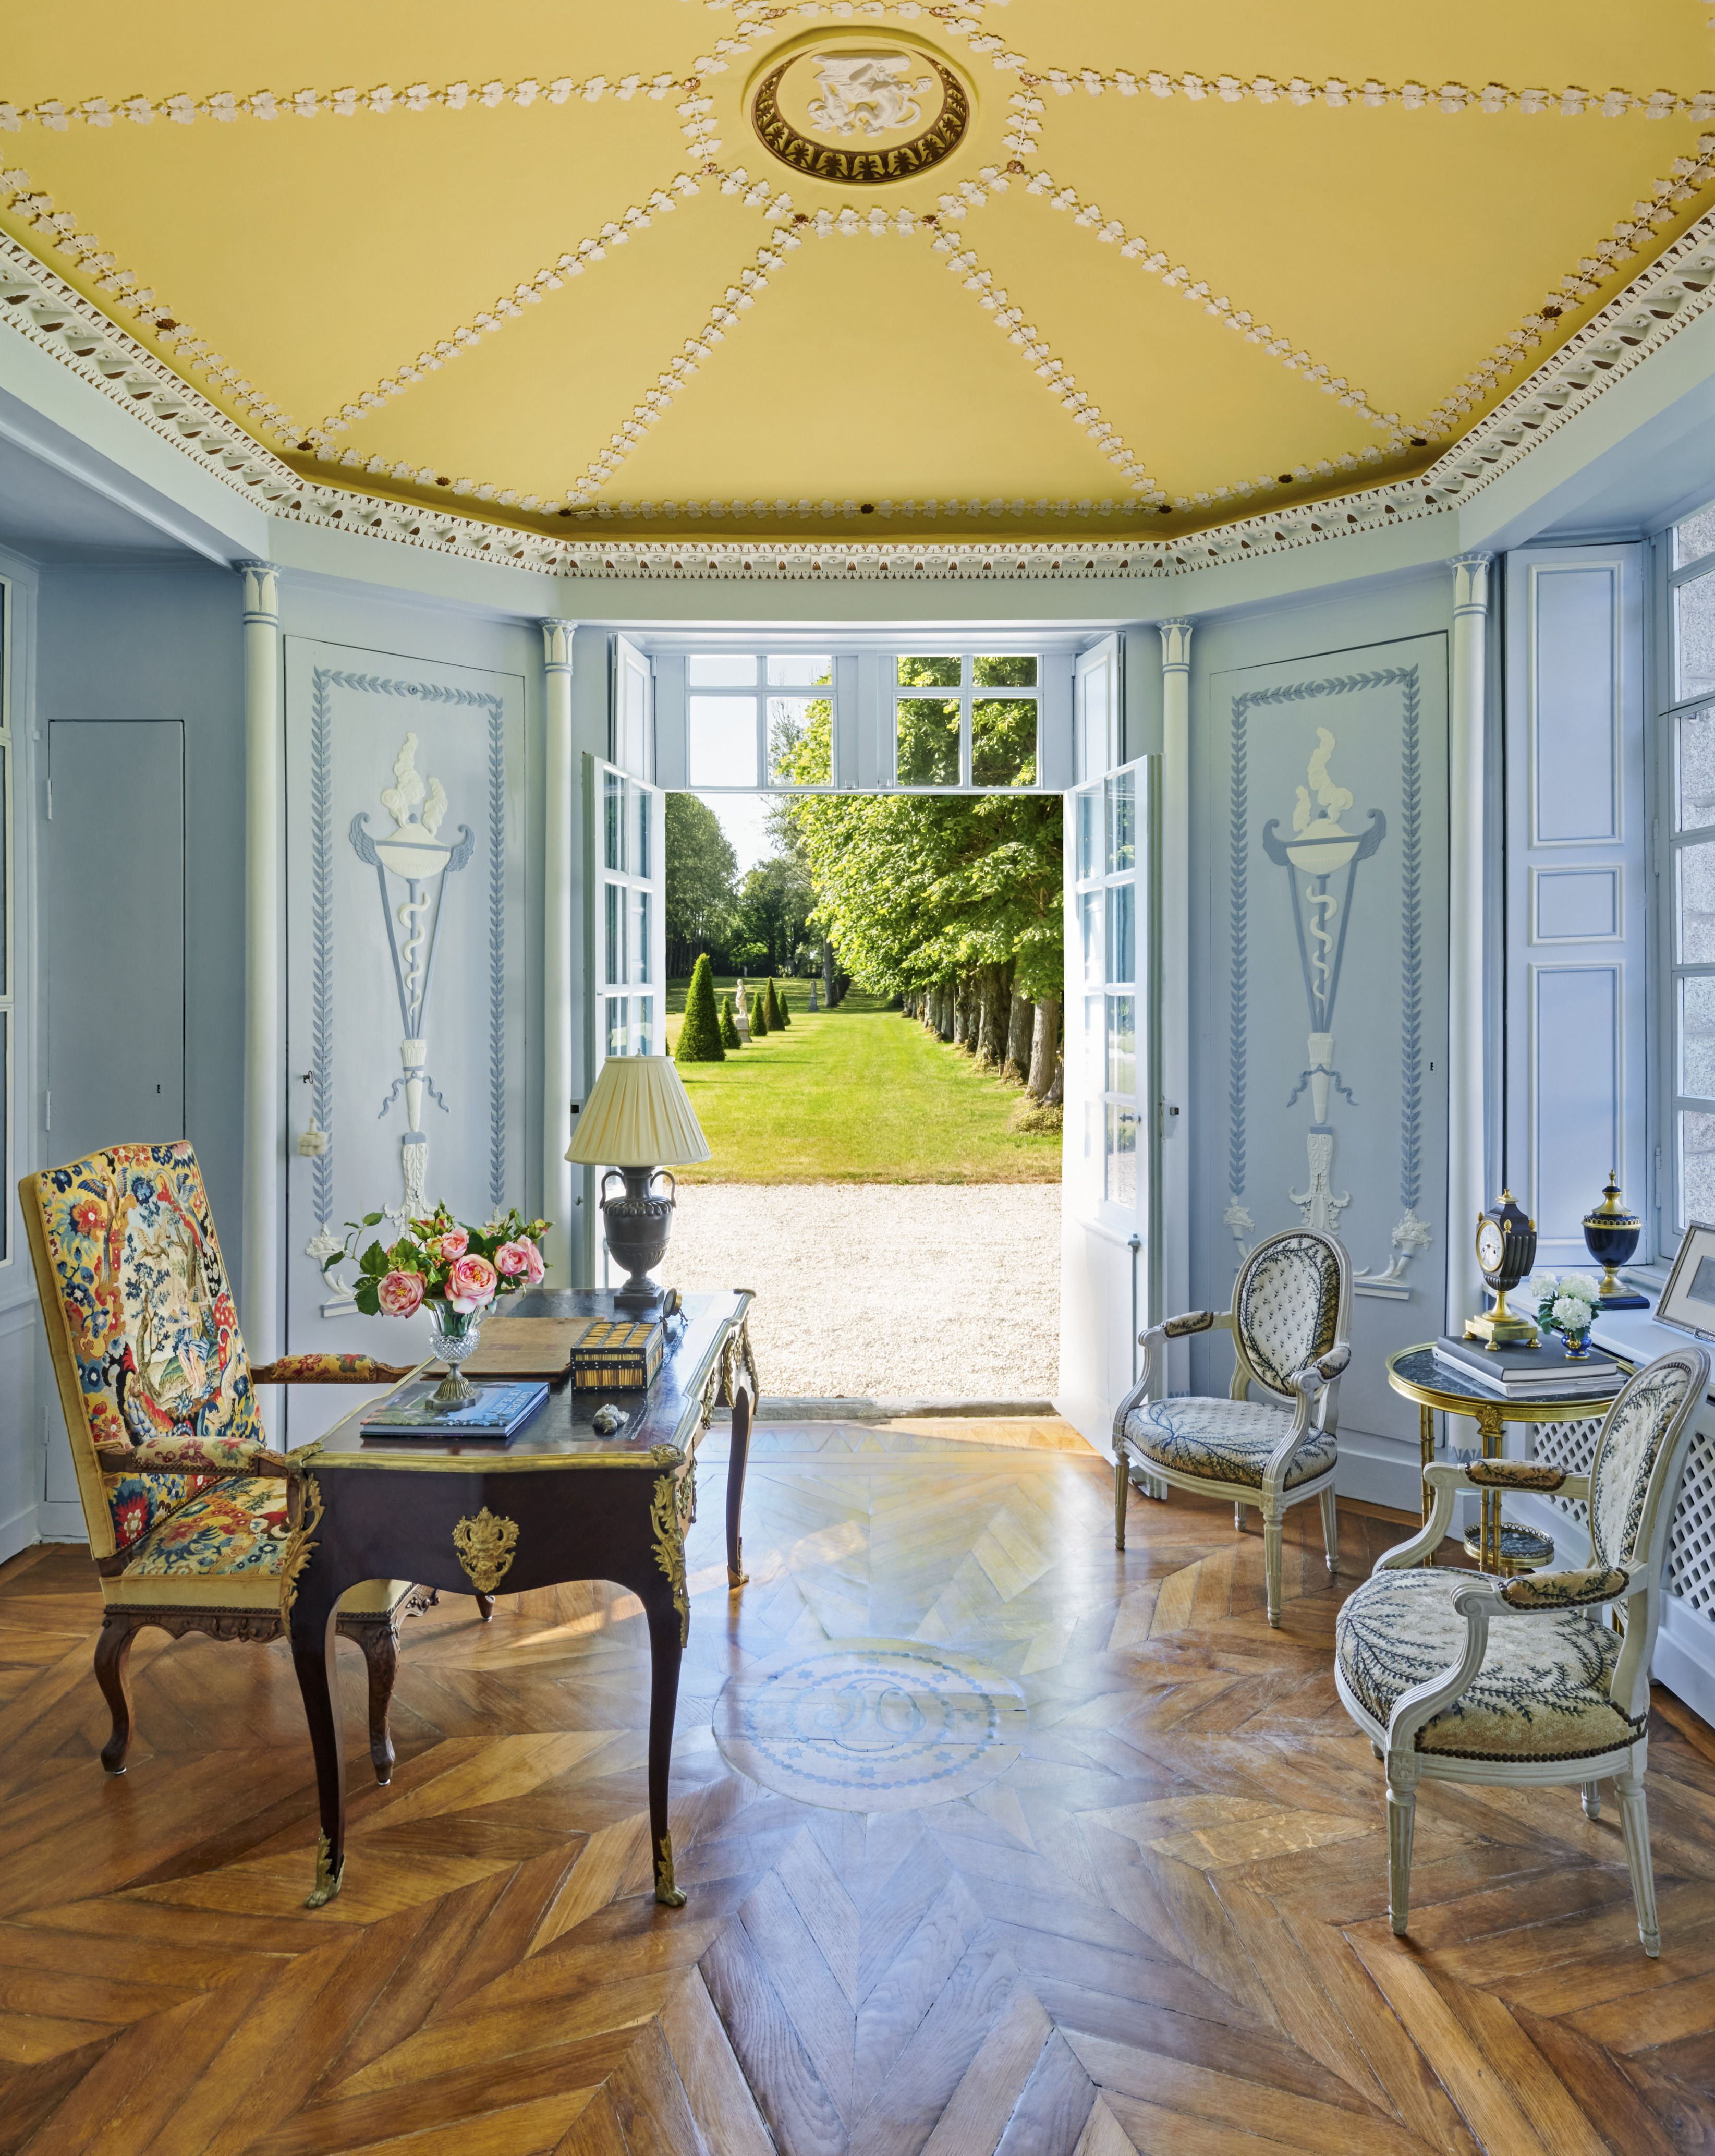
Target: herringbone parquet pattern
<point>1161,1927</point>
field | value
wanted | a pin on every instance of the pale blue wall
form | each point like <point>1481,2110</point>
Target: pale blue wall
<point>1274,654</point>
<point>128,643</point>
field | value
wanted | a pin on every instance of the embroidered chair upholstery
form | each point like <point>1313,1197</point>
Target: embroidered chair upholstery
<point>1457,1677</point>
<point>1290,1322</point>
<point>184,1502</point>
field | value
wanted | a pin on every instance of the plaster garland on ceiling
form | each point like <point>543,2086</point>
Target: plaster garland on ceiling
<point>1336,93</point>
<point>1674,291</point>
<point>35,208</point>
<point>1179,279</point>
<point>571,262</point>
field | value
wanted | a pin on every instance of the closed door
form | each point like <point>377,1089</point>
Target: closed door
<point>113,941</point>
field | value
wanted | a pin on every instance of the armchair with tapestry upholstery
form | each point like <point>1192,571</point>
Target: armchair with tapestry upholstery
<point>1461,1677</point>
<point>186,1506</point>
<point>1292,1325</point>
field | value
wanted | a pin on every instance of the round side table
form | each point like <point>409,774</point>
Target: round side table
<point>1498,1546</point>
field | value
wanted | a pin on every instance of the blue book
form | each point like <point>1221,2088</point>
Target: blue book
<point>497,1411</point>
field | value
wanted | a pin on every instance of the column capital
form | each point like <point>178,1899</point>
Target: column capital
<point>557,645</point>
<point>1175,645</point>
<point>1471,583</point>
<point>261,590</point>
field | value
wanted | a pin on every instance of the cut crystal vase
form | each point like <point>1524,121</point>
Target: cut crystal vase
<point>455,1332</point>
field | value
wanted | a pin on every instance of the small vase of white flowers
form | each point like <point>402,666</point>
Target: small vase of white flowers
<point>1567,1305</point>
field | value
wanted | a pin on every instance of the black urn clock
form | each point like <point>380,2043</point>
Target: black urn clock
<point>1506,1251</point>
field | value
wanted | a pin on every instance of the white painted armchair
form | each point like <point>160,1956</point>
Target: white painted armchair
<point>1291,1323</point>
<point>1458,1677</point>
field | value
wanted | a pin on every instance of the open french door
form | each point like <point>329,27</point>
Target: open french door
<point>1109,1232</point>
<point>627,962</point>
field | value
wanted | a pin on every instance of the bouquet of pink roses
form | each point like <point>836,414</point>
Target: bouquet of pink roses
<point>440,1261</point>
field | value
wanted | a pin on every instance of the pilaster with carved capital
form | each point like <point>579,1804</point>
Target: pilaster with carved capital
<point>560,1181</point>
<point>1467,933</point>
<point>262,1236</point>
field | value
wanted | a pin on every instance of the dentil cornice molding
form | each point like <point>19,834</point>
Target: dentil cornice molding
<point>1676,291</point>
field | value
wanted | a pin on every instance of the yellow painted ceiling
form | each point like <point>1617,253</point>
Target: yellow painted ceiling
<point>535,260</point>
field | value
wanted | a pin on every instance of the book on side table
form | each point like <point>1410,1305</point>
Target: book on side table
<point>1545,1372</point>
<point>497,1411</point>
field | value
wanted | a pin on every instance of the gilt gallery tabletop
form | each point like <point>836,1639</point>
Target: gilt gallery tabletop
<point>557,1502</point>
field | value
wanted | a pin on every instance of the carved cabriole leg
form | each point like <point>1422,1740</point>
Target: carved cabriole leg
<point>1402,1812</point>
<point>737,1459</point>
<point>1330,1531</point>
<point>1426,1451</point>
<point>380,1644</point>
<point>1121,1482</point>
<point>665,1649</point>
<point>314,1617</point>
<point>1591,1794</point>
<point>112,1673</point>
<point>1273,1527</point>
<point>1635,1826</point>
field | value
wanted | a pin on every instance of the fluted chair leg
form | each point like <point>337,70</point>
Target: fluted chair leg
<point>1591,1794</point>
<point>1272,1533</point>
<point>1635,1825</point>
<point>1402,1815</point>
<point>1121,1483</point>
<point>1330,1531</point>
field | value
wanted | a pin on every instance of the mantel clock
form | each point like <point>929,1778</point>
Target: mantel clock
<point>1506,1251</point>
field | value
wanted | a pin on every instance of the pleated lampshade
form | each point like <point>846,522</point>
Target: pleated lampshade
<point>639,1115</point>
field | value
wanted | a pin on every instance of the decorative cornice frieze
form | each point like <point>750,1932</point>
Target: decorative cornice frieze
<point>126,291</point>
<point>51,315</point>
<point>1676,290</point>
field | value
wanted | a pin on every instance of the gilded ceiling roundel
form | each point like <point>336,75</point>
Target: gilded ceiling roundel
<point>859,110</point>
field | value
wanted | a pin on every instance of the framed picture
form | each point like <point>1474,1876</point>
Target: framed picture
<point>1688,1299</point>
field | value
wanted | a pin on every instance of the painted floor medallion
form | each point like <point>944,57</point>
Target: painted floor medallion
<point>872,1725</point>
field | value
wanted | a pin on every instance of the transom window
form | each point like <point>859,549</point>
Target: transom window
<point>756,719</point>
<point>1689,747</point>
<point>963,720</point>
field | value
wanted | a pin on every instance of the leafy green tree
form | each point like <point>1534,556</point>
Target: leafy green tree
<point>730,1035</point>
<point>699,1036</point>
<point>699,896</point>
<point>774,902</point>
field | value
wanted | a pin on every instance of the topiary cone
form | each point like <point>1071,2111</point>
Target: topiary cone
<point>699,1036</point>
<point>758,1014</point>
<point>785,1009</point>
<point>729,1025</point>
<point>772,1003</point>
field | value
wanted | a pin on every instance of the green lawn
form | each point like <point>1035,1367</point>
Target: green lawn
<point>860,1094</point>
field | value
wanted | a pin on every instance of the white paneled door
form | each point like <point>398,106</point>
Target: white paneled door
<point>1111,1095</point>
<point>1577,923</point>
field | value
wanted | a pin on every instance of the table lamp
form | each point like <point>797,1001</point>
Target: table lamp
<point>637,1122</point>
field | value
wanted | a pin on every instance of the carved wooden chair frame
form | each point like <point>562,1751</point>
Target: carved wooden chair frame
<point>1314,1398</point>
<point>1632,1589</point>
<point>376,1632</point>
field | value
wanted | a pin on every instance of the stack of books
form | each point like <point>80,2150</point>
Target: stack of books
<point>1545,1372</point>
<point>496,1412</point>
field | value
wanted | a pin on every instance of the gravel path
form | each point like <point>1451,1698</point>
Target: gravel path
<point>931,1290</point>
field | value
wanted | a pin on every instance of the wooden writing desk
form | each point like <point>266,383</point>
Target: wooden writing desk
<point>555,1502</point>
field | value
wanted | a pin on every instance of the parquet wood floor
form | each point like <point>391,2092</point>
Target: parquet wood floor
<point>1162,1927</point>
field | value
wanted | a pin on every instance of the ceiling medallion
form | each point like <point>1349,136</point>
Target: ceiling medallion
<point>856,111</point>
